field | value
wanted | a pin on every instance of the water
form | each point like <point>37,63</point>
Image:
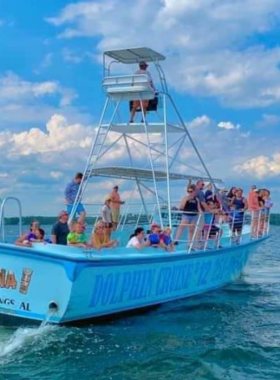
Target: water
<point>233,333</point>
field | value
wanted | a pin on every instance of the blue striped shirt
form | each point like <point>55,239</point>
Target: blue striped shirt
<point>71,191</point>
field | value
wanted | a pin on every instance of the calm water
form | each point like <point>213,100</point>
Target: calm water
<point>233,333</point>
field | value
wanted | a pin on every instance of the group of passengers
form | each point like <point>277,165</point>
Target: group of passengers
<point>203,209</point>
<point>156,238</point>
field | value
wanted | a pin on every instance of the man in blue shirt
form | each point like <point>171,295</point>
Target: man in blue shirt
<point>71,192</point>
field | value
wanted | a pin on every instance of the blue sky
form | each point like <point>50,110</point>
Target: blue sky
<point>223,66</point>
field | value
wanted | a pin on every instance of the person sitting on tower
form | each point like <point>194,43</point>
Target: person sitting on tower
<point>137,103</point>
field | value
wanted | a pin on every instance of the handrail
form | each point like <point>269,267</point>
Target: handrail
<point>2,215</point>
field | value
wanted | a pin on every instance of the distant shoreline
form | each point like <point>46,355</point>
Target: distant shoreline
<point>49,220</point>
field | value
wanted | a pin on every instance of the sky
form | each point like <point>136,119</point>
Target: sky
<point>222,66</point>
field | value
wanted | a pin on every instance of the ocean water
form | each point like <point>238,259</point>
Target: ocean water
<point>232,333</point>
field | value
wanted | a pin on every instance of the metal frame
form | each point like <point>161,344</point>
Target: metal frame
<point>157,153</point>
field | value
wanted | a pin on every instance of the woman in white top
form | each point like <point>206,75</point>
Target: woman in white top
<point>137,239</point>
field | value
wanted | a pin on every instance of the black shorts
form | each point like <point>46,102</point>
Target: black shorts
<point>213,231</point>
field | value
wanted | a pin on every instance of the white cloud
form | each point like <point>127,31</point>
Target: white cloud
<point>228,125</point>
<point>261,166</point>
<point>22,101</point>
<point>206,42</point>
<point>13,88</point>
<point>59,137</point>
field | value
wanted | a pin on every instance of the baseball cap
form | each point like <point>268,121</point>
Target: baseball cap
<point>154,224</point>
<point>143,63</point>
<point>223,189</point>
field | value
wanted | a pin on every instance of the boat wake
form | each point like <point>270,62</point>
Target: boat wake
<point>22,338</point>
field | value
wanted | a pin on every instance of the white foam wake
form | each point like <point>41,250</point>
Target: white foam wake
<point>22,337</point>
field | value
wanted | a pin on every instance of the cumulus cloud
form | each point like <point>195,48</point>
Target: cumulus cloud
<point>261,166</point>
<point>58,137</point>
<point>207,40</point>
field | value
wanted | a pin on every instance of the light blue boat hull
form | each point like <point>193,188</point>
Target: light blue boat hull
<point>90,284</point>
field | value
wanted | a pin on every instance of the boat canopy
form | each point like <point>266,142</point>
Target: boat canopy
<point>130,173</point>
<point>135,55</point>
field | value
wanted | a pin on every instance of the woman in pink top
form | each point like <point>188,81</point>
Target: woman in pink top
<point>253,201</point>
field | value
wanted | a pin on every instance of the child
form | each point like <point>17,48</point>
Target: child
<point>77,237</point>
<point>166,240</point>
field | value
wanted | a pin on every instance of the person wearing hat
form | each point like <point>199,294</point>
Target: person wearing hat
<point>60,229</point>
<point>107,215</point>
<point>115,205</point>
<point>137,104</point>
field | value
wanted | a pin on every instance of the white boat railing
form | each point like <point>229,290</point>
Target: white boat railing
<point>226,229</point>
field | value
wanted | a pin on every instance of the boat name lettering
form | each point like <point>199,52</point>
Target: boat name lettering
<point>8,279</point>
<point>114,288</point>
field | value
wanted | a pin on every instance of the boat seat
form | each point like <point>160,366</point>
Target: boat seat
<point>129,87</point>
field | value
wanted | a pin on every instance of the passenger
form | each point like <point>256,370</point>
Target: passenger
<point>267,200</point>
<point>268,204</point>
<point>77,238</point>
<point>154,236</point>
<point>263,211</point>
<point>224,200</point>
<point>107,216</point>
<point>137,240</point>
<point>210,196</point>
<point>231,193</point>
<point>60,229</point>
<point>71,192</point>
<point>211,231</point>
<point>191,207</point>
<point>255,209</point>
<point>236,223</point>
<point>137,103</point>
<point>204,208</point>
<point>100,239</point>
<point>166,240</point>
<point>26,239</point>
<point>41,236</point>
<point>116,203</point>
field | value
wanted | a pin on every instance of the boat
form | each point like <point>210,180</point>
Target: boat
<point>65,284</point>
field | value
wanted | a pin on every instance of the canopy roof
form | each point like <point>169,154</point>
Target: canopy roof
<point>135,55</point>
<point>124,172</point>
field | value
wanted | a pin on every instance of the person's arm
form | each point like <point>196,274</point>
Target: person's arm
<point>21,241</point>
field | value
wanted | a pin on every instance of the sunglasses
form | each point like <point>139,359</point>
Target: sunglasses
<point>190,191</point>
